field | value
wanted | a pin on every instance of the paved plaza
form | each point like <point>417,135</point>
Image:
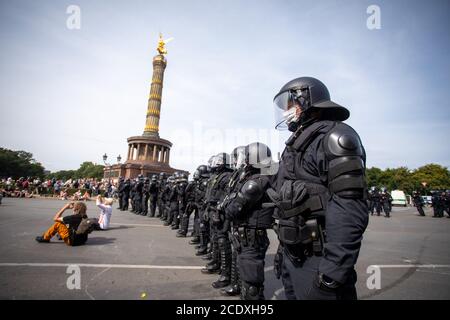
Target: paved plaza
<point>139,258</point>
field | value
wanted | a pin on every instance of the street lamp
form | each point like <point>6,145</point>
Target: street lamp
<point>119,158</point>
<point>105,157</point>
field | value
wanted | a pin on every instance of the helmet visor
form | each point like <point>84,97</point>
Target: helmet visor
<point>240,159</point>
<point>286,110</point>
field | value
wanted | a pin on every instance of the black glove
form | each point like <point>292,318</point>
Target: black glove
<point>291,195</point>
<point>277,262</point>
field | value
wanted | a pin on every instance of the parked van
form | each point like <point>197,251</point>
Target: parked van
<point>398,198</point>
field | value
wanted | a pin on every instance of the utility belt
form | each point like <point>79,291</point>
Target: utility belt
<point>248,237</point>
<point>301,238</point>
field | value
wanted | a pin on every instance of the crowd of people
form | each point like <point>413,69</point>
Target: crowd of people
<point>440,202</point>
<point>71,189</point>
<point>315,199</point>
<point>380,200</point>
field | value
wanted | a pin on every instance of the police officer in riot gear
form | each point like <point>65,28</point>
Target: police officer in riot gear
<point>120,192</point>
<point>370,199</point>
<point>153,191</point>
<point>132,192</point>
<point>138,194</point>
<point>418,203</point>
<point>385,201</point>
<point>195,192</point>
<point>204,227</point>
<point>182,183</point>
<point>161,187</point>
<point>172,201</point>
<point>126,194</point>
<point>320,194</point>
<point>251,220</point>
<point>215,193</point>
<point>236,181</point>
<point>145,196</point>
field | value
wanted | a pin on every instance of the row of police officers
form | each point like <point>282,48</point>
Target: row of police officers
<point>315,198</point>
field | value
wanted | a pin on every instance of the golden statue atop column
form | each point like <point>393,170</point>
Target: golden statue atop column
<point>149,154</point>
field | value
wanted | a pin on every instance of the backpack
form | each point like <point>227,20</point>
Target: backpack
<point>86,226</point>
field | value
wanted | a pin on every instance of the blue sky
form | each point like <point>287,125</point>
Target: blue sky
<point>69,96</point>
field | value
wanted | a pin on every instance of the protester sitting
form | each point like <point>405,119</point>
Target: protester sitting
<point>77,196</point>
<point>105,205</point>
<point>67,227</point>
<point>63,194</point>
<point>86,196</point>
<point>28,194</point>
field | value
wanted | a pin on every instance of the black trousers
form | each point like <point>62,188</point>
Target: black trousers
<point>420,210</point>
<point>250,262</point>
<point>153,201</point>
<point>300,282</point>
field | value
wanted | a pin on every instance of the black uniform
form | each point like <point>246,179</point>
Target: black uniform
<point>126,194</point>
<point>250,222</point>
<point>321,174</point>
<point>120,188</point>
<point>215,193</point>
<point>436,203</point>
<point>376,200</point>
<point>182,202</point>
<point>132,192</point>
<point>190,207</point>
<point>386,203</point>
<point>173,205</point>
<point>154,191</point>
<point>145,197</point>
<point>418,203</point>
<point>138,194</point>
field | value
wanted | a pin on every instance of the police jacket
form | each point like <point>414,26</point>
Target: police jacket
<point>244,206</point>
<point>217,187</point>
<point>328,157</point>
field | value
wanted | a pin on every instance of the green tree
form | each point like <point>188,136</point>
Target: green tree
<point>18,164</point>
<point>435,176</point>
<point>86,170</point>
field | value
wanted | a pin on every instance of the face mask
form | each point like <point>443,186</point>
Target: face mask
<point>290,115</point>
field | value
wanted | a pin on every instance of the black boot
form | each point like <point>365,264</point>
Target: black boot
<point>225,263</point>
<point>195,240</point>
<point>41,239</point>
<point>202,251</point>
<point>234,288</point>
<point>251,291</point>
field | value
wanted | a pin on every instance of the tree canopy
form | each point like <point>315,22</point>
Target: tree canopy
<point>86,170</point>
<point>16,164</point>
<point>426,178</point>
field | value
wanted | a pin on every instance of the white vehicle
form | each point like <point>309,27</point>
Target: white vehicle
<point>398,198</point>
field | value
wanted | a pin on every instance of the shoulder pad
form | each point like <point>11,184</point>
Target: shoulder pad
<point>252,191</point>
<point>342,140</point>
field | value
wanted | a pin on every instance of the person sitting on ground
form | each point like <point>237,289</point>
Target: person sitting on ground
<point>86,196</point>
<point>29,194</point>
<point>67,227</point>
<point>105,205</point>
<point>63,194</point>
<point>77,196</point>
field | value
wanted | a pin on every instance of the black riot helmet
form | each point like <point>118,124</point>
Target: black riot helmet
<point>209,163</point>
<point>162,176</point>
<point>220,161</point>
<point>308,94</point>
<point>202,171</point>
<point>183,177</point>
<point>237,157</point>
<point>154,177</point>
<point>258,155</point>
